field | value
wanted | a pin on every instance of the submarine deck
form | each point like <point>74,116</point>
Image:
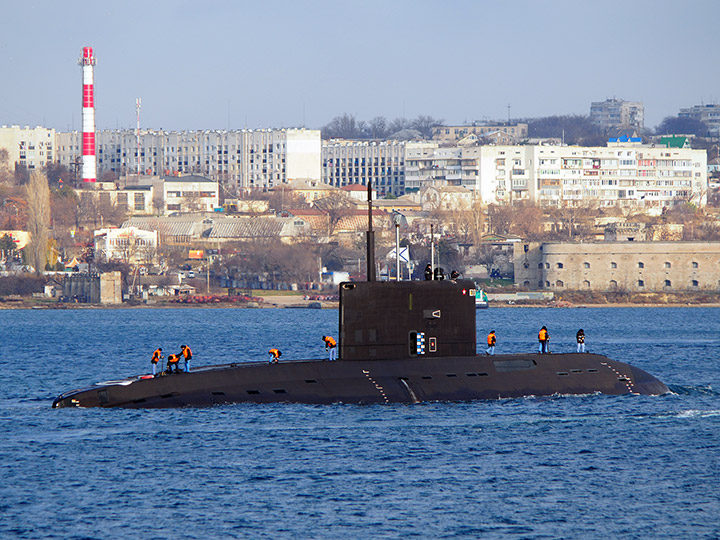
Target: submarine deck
<point>372,381</point>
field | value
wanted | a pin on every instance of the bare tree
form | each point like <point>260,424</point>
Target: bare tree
<point>426,125</point>
<point>337,206</point>
<point>38,197</point>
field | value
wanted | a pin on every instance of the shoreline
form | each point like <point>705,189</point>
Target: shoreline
<point>290,302</point>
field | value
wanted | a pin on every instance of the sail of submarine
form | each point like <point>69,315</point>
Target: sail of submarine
<point>399,342</point>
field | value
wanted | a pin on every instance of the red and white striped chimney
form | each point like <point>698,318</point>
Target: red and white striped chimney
<point>89,165</point>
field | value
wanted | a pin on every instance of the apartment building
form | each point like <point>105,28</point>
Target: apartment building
<point>29,147</point>
<point>190,193</point>
<point>239,159</point>
<point>625,173</point>
<point>346,162</point>
<point>448,134</point>
<point>618,266</point>
<point>708,114</point>
<point>617,113</point>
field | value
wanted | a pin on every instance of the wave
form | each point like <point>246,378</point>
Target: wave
<point>693,390</point>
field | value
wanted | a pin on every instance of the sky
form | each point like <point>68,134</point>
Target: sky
<point>252,64</point>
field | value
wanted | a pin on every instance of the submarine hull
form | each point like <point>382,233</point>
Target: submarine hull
<point>461,378</point>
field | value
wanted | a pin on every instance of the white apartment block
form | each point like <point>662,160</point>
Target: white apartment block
<point>613,113</point>
<point>30,147</point>
<point>346,162</point>
<point>240,159</point>
<point>616,175</point>
<point>709,114</point>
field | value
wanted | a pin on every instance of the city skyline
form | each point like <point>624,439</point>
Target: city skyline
<point>247,65</point>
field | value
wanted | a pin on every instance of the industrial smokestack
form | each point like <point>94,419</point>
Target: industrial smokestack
<point>89,165</point>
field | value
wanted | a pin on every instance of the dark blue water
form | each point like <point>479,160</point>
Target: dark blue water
<point>561,467</point>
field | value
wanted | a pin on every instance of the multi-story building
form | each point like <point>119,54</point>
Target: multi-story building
<point>708,114</point>
<point>617,113</point>
<point>136,200</point>
<point>618,266</point>
<point>621,174</point>
<point>240,159</point>
<point>515,131</point>
<point>190,194</point>
<point>29,147</point>
<point>346,162</point>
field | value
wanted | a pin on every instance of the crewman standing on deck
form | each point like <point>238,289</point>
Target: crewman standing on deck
<point>274,355</point>
<point>330,347</point>
<point>580,337</point>
<point>156,357</point>
<point>186,353</point>
<point>543,338</point>
<point>491,340</point>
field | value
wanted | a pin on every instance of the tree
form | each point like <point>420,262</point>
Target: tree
<point>38,197</point>
<point>681,125</point>
<point>281,198</point>
<point>574,129</point>
<point>378,127</point>
<point>22,175</point>
<point>344,127</point>
<point>500,218</point>
<point>5,174</point>
<point>485,256</point>
<point>426,125</point>
<point>337,206</point>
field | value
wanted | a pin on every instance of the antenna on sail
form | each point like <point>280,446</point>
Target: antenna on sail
<point>370,234</point>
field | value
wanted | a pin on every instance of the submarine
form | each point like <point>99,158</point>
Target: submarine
<point>399,342</point>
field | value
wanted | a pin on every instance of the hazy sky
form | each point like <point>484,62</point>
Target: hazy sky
<point>219,65</point>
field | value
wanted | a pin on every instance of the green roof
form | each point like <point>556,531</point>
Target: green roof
<point>674,141</point>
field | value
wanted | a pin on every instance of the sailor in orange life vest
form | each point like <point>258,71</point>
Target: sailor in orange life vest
<point>173,360</point>
<point>186,353</point>
<point>274,355</point>
<point>331,347</point>
<point>491,344</point>
<point>156,357</point>
<point>543,338</point>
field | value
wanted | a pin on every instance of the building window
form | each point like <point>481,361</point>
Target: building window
<point>694,264</point>
<point>667,265</point>
<point>547,266</point>
<point>547,284</point>
<point>526,284</point>
<point>540,265</point>
<point>695,283</point>
<point>586,264</point>
<point>540,284</point>
<point>586,284</point>
<point>526,265</point>
<point>559,284</point>
<point>641,265</point>
<point>641,283</point>
<point>668,283</point>
<point>613,285</point>
<point>559,265</point>
<point>613,265</point>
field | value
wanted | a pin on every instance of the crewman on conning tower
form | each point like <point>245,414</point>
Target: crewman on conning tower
<point>274,355</point>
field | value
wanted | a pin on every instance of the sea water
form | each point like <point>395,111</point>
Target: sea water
<point>546,467</point>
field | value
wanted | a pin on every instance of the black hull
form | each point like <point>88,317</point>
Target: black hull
<point>367,381</point>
